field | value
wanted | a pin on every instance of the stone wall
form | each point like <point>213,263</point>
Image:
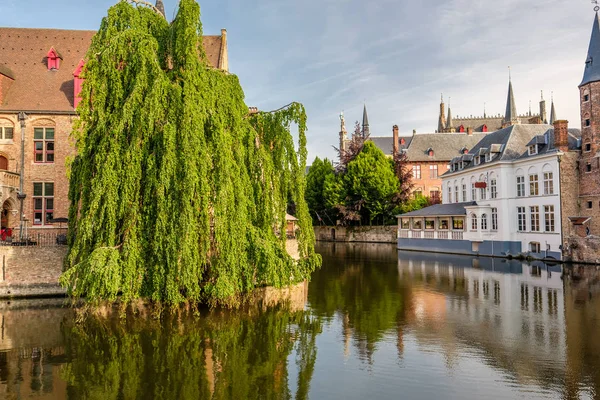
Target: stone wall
<point>583,250</point>
<point>366,234</point>
<point>569,186</point>
<point>31,271</point>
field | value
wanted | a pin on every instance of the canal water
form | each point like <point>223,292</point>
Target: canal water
<point>374,324</point>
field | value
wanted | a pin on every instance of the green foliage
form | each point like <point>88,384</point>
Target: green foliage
<point>318,174</point>
<point>177,194</point>
<point>219,356</point>
<point>370,177</point>
<point>414,204</point>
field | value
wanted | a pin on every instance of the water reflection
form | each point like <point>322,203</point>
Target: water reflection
<point>376,323</point>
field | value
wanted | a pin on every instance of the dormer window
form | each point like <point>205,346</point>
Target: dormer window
<point>477,160</point>
<point>461,129</point>
<point>464,150</point>
<point>488,157</point>
<point>402,142</point>
<point>430,152</point>
<point>484,128</point>
<point>53,58</point>
<point>533,150</point>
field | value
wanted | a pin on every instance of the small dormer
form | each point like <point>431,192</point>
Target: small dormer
<point>430,152</point>
<point>53,59</point>
<point>464,150</point>
<point>533,149</point>
<point>77,83</point>
<point>402,141</point>
<point>461,129</point>
<point>477,160</point>
<point>484,128</point>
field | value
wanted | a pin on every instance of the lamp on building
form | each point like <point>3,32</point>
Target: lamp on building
<point>21,196</point>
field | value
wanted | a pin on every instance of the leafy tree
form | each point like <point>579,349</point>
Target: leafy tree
<point>315,184</point>
<point>176,191</point>
<point>353,148</point>
<point>371,179</point>
<point>416,203</point>
<point>403,172</point>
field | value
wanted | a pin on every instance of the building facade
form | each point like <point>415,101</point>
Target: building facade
<point>502,198</point>
<point>39,86</point>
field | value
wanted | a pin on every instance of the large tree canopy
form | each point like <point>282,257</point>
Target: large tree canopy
<point>177,194</point>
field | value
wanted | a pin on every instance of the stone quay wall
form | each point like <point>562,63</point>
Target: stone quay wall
<point>584,250</point>
<point>31,271</point>
<point>362,234</point>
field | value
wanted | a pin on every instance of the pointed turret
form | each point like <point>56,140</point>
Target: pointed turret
<point>449,122</point>
<point>552,112</point>
<point>161,7</point>
<point>365,123</point>
<point>442,119</point>
<point>510,117</point>
<point>592,63</point>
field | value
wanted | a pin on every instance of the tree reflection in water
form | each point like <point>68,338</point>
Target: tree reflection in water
<point>241,355</point>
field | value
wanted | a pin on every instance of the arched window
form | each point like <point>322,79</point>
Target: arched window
<point>484,222</point>
<point>473,222</point>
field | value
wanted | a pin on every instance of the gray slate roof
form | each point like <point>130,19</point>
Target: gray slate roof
<point>445,146</point>
<point>441,210</point>
<point>513,142</point>
<point>592,63</point>
<point>386,143</point>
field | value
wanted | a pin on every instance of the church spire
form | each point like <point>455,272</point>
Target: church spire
<point>365,123</point>
<point>160,7</point>
<point>552,112</point>
<point>449,123</point>
<point>592,63</point>
<point>510,117</point>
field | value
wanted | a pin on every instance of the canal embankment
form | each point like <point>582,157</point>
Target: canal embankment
<point>358,234</point>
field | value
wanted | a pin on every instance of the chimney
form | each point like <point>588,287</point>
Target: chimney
<point>395,140</point>
<point>469,131</point>
<point>561,135</point>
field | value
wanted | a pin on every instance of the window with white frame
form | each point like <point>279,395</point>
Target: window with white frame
<point>548,183</point>
<point>449,194</point>
<point>6,132</point>
<point>535,218</point>
<point>433,171</point>
<point>494,219</point>
<point>484,222</point>
<point>477,160</point>
<point>493,189</point>
<point>464,192</point>
<point>456,199</point>
<point>482,193</point>
<point>549,218</point>
<point>473,222</point>
<point>521,219</point>
<point>534,188</point>
<point>416,171</point>
<point>520,186</point>
<point>473,192</point>
<point>533,150</point>
<point>534,247</point>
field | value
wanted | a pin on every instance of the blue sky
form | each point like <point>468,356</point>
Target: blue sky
<point>395,55</point>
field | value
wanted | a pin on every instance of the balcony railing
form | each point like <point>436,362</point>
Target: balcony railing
<point>429,234</point>
<point>9,179</point>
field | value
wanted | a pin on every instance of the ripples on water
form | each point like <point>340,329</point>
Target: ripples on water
<point>377,324</point>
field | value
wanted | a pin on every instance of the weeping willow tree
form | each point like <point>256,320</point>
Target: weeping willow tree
<point>177,193</point>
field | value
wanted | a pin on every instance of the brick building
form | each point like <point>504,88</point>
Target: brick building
<point>39,84</point>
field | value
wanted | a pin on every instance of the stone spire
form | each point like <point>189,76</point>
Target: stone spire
<point>510,117</point>
<point>442,119</point>
<point>365,123</point>
<point>592,63</point>
<point>552,112</point>
<point>543,114</point>
<point>161,7</point>
<point>449,123</point>
<point>343,132</point>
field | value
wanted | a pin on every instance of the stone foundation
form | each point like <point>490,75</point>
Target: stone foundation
<point>583,250</point>
<point>364,234</point>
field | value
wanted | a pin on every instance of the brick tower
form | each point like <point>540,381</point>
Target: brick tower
<point>589,168</point>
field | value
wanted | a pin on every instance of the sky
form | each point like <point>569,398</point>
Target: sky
<point>395,56</point>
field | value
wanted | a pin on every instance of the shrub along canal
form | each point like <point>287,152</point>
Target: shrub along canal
<point>375,324</point>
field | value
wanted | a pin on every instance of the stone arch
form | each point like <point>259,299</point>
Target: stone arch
<point>547,168</point>
<point>39,122</point>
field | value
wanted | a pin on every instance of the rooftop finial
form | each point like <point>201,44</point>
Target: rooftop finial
<point>442,96</point>
<point>597,7</point>
<point>542,92</point>
<point>530,108</point>
<point>484,116</point>
<point>552,96</point>
<point>509,74</point>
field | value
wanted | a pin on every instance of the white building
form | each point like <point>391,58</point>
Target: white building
<point>507,192</point>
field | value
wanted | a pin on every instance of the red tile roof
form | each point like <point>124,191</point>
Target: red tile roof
<point>23,54</point>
